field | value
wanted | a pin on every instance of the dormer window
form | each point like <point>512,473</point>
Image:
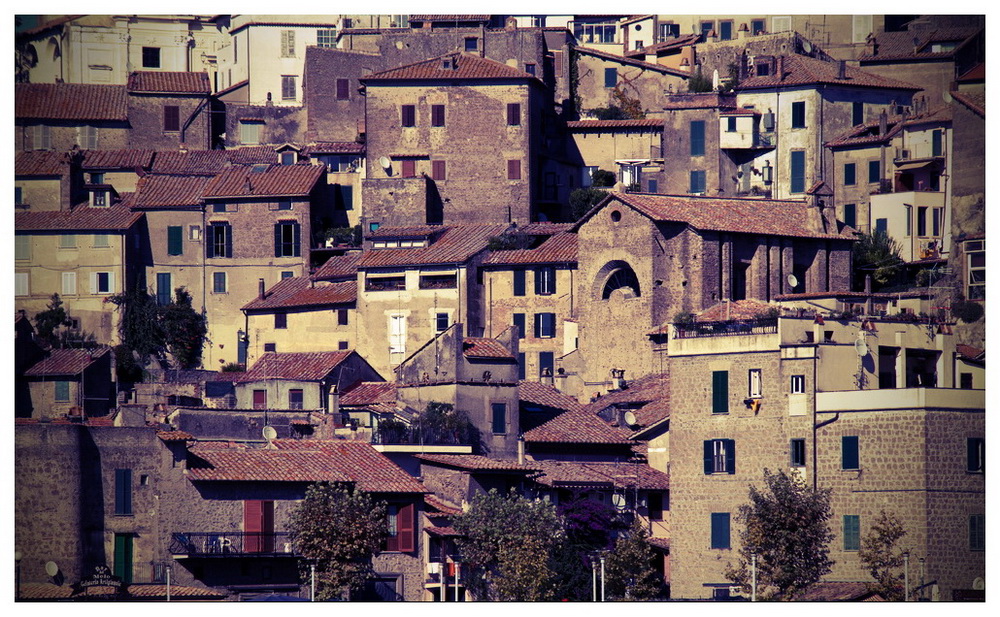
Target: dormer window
<point>97,178</point>
<point>99,199</point>
<point>287,158</point>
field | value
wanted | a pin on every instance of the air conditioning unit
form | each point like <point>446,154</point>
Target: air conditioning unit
<point>434,567</point>
<point>902,155</point>
<point>769,121</point>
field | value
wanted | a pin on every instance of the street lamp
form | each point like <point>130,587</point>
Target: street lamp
<point>906,576</point>
<point>17,574</point>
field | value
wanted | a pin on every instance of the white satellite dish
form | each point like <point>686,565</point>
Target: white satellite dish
<point>793,281</point>
<point>629,418</point>
<point>807,46</point>
<point>51,568</point>
<point>618,500</point>
<point>861,347</point>
<point>269,433</point>
<point>385,162</point>
<point>979,584</point>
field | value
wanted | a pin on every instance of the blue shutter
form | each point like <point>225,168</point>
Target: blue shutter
<point>123,491</point>
<point>720,391</point>
<point>849,452</point>
<point>499,418</point>
<point>521,368</point>
<point>519,322</point>
<point>175,240</point>
<point>228,231</point>
<point>296,239</point>
<point>697,138</point>
<point>936,148</point>
<point>798,171</point>
<point>720,530</point>
<point>709,466</point>
<point>538,325</point>
<point>210,241</point>
<point>277,239</point>
<point>519,282</point>
<point>610,78</point>
<point>730,456</point>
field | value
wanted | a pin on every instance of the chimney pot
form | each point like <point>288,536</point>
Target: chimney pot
<point>260,288</point>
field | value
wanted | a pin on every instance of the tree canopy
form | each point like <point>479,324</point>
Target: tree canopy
<point>883,557</point>
<point>786,526</point>
<point>590,527</point>
<point>149,331</point>
<point>876,254</point>
<point>629,568</point>
<point>340,532</point>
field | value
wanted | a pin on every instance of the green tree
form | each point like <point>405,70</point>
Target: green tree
<point>603,177</point>
<point>139,325</point>
<point>786,526</point>
<point>883,557</point>
<point>149,331</point>
<point>340,532</point>
<point>49,321</point>
<point>507,545</point>
<point>630,573</point>
<point>583,199</point>
<point>589,527</point>
<point>699,83</point>
<point>876,254</point>
<point>185,330</point>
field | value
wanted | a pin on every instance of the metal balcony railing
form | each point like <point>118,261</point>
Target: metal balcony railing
<point>230,543</point>
<point>736,327</point>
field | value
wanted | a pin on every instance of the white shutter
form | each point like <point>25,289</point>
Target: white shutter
<point>69,283</point>
<point>21,287</point>
<point>397,334</point>
<point>111,282</point>
<point>93,283</point>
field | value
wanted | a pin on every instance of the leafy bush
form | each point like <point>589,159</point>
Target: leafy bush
<point>968,311</point>
<point>582,200</point>
<point>603,177</point>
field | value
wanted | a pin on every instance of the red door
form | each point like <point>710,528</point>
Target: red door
<point>258,526</point>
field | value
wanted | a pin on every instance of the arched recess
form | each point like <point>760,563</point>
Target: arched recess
<point>617,275</point>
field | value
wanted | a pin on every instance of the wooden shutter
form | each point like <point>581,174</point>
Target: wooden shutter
<point>123,557</point>
<point>538,325</point>
<point>720,391</point>
<point>437,115</point>
<point>697,138</point>
<point>258,525</point>
<point>798,181</point>
<point>438,170</point>
<point>296,239</point>
<point>123,491</point>
<point>849,452</point>
<point>210,242</point>
<point>730,446</point>
<point>709,453</point>
<point>175,240</point>
<point>514,169</point>
<point>277,240</point>
<point>227,231</point>
<point>513,114</point>
<point>720,530</point>
<point>406,525</point>
<point>409,168</point>
<point>259,399</point>
<point>171,118</point>
<point>520,323</point>
<point>343,89</point>
<point>519,284</point>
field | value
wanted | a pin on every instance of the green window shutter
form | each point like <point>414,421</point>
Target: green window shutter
<point>123,492</point>
<point>849,452</point>
<point>708,447</point>
<point>798,184</point>
<point>720,392</point>
<point>499,418</point>
<point>936,148</point>
<point>720,529</point>
<point>730,456</point>
<point>62,391</point>
<point>123,557</point>
<point>697,138</point>
<point>852,532</point>
<point>175,240</point>
<point>277,240</point>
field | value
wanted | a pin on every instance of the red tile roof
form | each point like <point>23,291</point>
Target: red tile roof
<point>647,123</point>
<point>442,506</point>
<point>294,366</point>
<point>195,162</point>
<point>770,217</point>
<point>539,393</point>
<point>739,112</point>
<point>277,181</point>
<point>643,390</point>
<point>230,462</point>
<point>173,82</point>
<point>176,591</point>
<point>839,591</point>
<point>487,348</point>
<point>339,267</point>
<point>578,426</point>
<point>456,245</point>
<point>40,163</point>
<point>681,41</point>
<point>82,218</point>
<point>117,159</point>
<point>449,18</point>
<point>444,532</point>
<point>175,436</point>
<point>160,191</point>
<point>252,155</point>
<point>913,46</point>
<point>970,353</point>
<point>45,591</point>
<point>368,393</point>
<point>301,292</point>
<point>464,66</point>
<point>976,73</point>
<point>666,70</point>
<point>975,101</point>
<point>474,462</point>
<point>335,147</point>
<point>66,362</point>
<point>867,134</point>
<point>802,71</point>
<point>560,248</point>
<point>70,102</point>
<point>619,475</point>
<point>739,309</point>
<point>370,470</point>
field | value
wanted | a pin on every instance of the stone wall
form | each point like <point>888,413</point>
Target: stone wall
<point>146,116</point>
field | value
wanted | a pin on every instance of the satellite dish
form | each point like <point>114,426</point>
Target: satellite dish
<point>385,162</point>
<point>946,96</point>
<point>51,568</point>
<point>793,281</point>
<point>629,418</point>
<point>979,584</point>
<point>269,433</point>
<point>618,500</point>
<point>807,46</point>
<point>861,347</point>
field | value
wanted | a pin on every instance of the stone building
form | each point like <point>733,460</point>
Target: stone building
<point>630,149</point>
<point>78,382</point>
<point>170,110</point>
<point>602,77</point>
<point>801,395</point>
<point>62,117</point>
<point>43,180</point>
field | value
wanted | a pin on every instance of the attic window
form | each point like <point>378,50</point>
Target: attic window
<point>259,168</point>
<point>287,158</point>
<point>446,64</point>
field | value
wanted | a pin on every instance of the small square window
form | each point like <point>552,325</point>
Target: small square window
<point>150,57</point>
<point>441,322</point>
<point>67,241</point>
<point>342,345</point>
<point>471,43</point>
<point>798,384</point>
<point>270,347</point>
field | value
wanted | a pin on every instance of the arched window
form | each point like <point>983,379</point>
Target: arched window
<point>623,278</point>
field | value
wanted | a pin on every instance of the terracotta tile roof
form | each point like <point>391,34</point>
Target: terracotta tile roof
<point>456,245</point>
<point>117,159</point>
<point>739,112</point>
<point>301,291</point>
<point>229,462</point>
<point>339,267</point>
<point>838,591</point>
<point>578,426</point>
<point>466,66</point>
<point>174,82</point>
<point>160,191</point>
<point>538,393</point>
<point>45,591</point>
<point>368,393</point>
<point>867,134</point>
<point>335,147</point>
<point>970,353</point>
<point>277,181</point>
<point>195,162</point>
<point>618,475</point>
<point>654,411</point>
<point>666,70</point>
<point>442,506</point>
<point>473,462</point>
<point>700,100</point>
<point>40,163</point>
<point>295,366</point>
<point>252,155</point>
<point>913,46</point>
<point>739,309</point>
<point>770,217</point>
<point>70,102</point>
<point>159,592</point>
<point>413,231</point>
<point>487,348</point>
<point>82,218</point>
<point>370,470</point>
<point>560,248</point>
<point>643,390</point>
<point>543,228</point>
<point>681,41</point>
<point>976,73</point>
<point>802,71</point>
<point>66,362</point>
<point>582,125</point>
<point>175,436</point>
<point>660,543</point>
<point>443,532</point>
<point>812,295</point>
<point>975,101</point>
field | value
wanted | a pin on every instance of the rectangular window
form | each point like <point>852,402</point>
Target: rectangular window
<point>250,132</point>
<point>150,57</point>
<point>798,164</point>
<point>697,182</point>
<point>409,113</point>
<point>757,26</point>
<point>610,78</point>
<point>754,383</point>
<point>977,532</point>
<point>397,334</point>
<point>409,168</point>
<point>471,43</point>
<point>164,291</point>
<point>286,239</point>
<point>123,492</point>
<point>669,31</point>
<point>706,27</point>
<point>697,138</point>
<point>62,392</point>
<point>725,30</point>
<point>881,225</point>
<point>937,147</point>
<point>799,115</point>
<point>402,528</point>
<point>965,381</point>
<point>520,323</point>
<point>67,241</point>
<point>219,282</point>
<point>102,241</point>
<point>69,283</point>
<point>440,322</point>
<point>385,283</point>
<point>437,115</point>
<point>798,385</point>
<point>656,505</point>
<point>499,418</point>
<point>100,199</point>
<point>874,173</point>
<point>546,363</point>
<point>175,240</point>
<point>731,124</point>
<point>102,283</point>
<point>529,68</point>
<point>545,281</point>
<point>851,215</point>
<point>720,391</point>
<point>976,454</point>
<point>260,399</point>
<point>87,137</point>
<point>922,221</point>
<point>123,557</point>
<point>720,530</point>
<point>857,113</point>
<point>797,452</point>
<point>326,38</point>
<point>343,197</point>
<point>720,456</point>
<point>545,325</point>
<point>514,170</point>
<point>513,114</point>
<point>288,91</point>
<point>850,176</point>
<point>652,186</point>
<point>171,118</point>
<point>220,240</point>
<point>295,399</point>
<point>343,89</point>
<point>288,43</point>
<point>849,455</point>
<point>852,532</point>
<point>280,321</point>
<point>976,256</point>
<point>21,287</point>
<point>18,196</point>
<point>343,317</point>
<point>519,282</point>
<point>522,372</point>
<point>936,216</point>
<point>42,137</point>
<point>438,170</point>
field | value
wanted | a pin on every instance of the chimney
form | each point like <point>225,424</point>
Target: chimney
<point>333,401</point>
<point>883,123</point>
<point>520,451</point>
<point>743,32</point>
<point>842,69</point>
<point>260,288</point>
<point>780,69</point>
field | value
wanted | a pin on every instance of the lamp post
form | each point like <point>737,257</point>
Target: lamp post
<point>906,576</point>
<point>593,568</point>
<point>168,582</point>
<point>921,560</point>
<point>602,577</point>
<point>17,574</point>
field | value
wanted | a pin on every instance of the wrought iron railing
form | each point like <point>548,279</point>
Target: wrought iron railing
<point>230,543</point>
<point>735,327</point>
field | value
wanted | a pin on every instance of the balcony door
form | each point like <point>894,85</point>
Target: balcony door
<point>258,526</point>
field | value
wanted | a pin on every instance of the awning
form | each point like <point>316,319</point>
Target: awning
<point>914,165</point>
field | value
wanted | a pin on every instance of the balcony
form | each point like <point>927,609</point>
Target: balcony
<point>230,544</point>
<point>736,327</point>
<point>915,399</point>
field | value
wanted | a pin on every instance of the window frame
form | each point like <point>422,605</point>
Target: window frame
<point>164,293</point>
<point>513,114</point>
<point>220,236</point>
<point>439,170</point>
<point>123,492</point>
<point>720,392</point>
<point>513,169</point>
<point>610,77</point>
<point>850,179</point>
<point>280,320</point>
<point>719,457</point>
<point>546,360</point>
<point>851,530</point>
<point>797,384</point>
<point>850,453</point>
<point>975,461</point>
<point>798,120</point>
<point>289,88</point>
<point>61,391</point>
<point>545,280</point>
<point>437,115</point>
<point>287,246</point>
<point>520,320</point>
<point>975,263</point>
<point>797,453</point>
<point>696,132</point>
<point>171,118</point>
<point>498,418</point>
<point>152,57</point>
<point>296,398</point>
<point>755,383</point>
<point>874,172</point>
<point>797,171</point>
<point>175,240</point>
<point>720,531</point>
<point>545,325</point>
<point>343,89</point>
<point>217,277</point>
<point>408,116</point>
<point>68,284</point>
<point>288,43</point>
